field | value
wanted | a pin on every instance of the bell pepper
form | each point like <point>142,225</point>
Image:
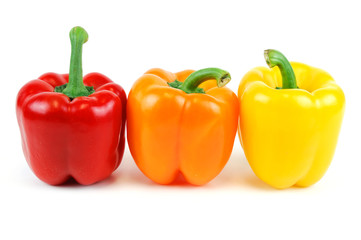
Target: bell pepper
<point>178,126</point>
<point>72,127</point>
<point>290,119</point>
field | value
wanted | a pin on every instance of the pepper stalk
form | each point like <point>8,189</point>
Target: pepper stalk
<point>75,87</point>
<point>276,58</point>
<point>192,82</point>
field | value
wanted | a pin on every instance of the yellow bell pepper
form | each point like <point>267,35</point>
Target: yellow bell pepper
<point>289,129</point>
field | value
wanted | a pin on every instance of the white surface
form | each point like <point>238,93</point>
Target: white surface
<point>128,38</point>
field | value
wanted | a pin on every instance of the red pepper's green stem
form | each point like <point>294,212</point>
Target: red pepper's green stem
<point>75,87</point>
<point>275,58</point>
<point>190,85</point>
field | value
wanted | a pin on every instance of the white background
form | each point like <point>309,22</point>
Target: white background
<point>128,38</point>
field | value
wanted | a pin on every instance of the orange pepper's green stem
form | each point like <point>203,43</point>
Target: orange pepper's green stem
<point>190,85</point>
<point>75,87</point>
<point>276,58</point>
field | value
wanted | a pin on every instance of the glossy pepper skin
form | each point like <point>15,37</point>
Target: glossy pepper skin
<point>289,135</point>
<point>64,137</point>
<point>171,132</point>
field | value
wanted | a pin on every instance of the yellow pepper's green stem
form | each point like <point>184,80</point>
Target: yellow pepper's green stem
<point>276,58</point>
<point>190,85</point>
<point>75,87</point>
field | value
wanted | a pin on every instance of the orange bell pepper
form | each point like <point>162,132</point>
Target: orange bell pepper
<point>179,125</point>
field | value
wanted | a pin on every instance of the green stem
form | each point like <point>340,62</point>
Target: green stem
<point>276,58</point>
<point>190,85</point>
<point>75,87</point>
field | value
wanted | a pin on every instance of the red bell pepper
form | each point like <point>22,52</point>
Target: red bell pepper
<point>70,127</point>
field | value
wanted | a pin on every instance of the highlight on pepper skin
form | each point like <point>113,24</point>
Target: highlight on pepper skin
<point>290,119</point>
<point>182,124</point>
<point>82,135</point>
